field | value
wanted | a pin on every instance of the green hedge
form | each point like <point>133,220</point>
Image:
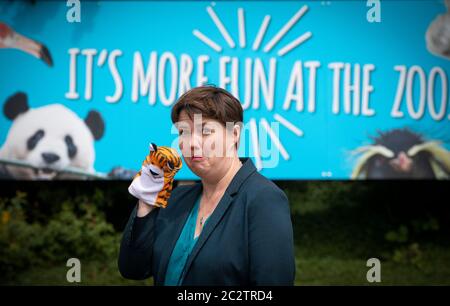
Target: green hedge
<point>78,229</point>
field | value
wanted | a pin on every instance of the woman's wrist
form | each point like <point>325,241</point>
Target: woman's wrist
<point>144,209</point>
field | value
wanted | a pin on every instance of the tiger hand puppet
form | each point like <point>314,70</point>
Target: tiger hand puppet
<point>153,183</point>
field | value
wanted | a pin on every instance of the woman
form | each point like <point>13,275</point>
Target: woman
<point>232,228</point>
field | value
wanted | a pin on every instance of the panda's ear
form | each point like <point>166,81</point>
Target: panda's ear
<point>95,123</point>
<point>15,105</point>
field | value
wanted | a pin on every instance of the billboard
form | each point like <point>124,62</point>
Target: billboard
<point>330,89</point>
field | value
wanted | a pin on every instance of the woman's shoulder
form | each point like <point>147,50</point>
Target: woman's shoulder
<point>264,199</point>
<point>260,191</point>
<point>260,183</point>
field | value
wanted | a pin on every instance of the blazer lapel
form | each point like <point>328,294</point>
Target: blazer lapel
<point>185,209</point>
<point>220,210</point>
<point>245,171</point>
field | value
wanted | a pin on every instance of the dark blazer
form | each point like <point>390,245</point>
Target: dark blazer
<point>248,239</point>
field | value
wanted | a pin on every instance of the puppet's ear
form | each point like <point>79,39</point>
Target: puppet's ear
<point>153,147</point>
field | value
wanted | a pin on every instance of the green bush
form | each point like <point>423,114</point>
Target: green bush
<point>79,229</point>
<point>404,240</point>
<point>18,239</point>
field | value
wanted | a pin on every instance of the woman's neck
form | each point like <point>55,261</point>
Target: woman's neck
<point>213,187</point>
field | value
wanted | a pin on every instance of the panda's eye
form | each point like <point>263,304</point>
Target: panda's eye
<point>71,147</point>
<point>34,139</point>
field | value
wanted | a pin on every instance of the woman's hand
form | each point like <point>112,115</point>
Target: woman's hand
<point>144,209</point>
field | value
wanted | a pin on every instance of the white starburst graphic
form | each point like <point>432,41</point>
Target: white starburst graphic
<point>255,47</point>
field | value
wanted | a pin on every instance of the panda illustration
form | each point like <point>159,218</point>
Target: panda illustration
<point>49,138</point>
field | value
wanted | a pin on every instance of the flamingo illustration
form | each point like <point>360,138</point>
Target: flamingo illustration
<point>11,39</point>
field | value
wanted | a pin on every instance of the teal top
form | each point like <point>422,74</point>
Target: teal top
<point>183,248</point>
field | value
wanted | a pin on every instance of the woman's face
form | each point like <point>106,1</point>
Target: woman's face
<point>207,146</point>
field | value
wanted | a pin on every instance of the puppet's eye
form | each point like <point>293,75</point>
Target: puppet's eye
<point>153,173</point>
<point>170,165</point>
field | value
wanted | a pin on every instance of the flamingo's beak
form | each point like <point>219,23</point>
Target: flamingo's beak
<point>46,56</point>
<point>12,39</point>
<point>32,47</point>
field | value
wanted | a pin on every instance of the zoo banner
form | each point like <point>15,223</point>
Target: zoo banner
<point>330,89</point>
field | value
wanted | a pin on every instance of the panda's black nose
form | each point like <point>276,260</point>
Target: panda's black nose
<point>50,158</point>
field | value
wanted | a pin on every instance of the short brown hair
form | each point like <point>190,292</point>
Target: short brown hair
<point>210,101</point>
